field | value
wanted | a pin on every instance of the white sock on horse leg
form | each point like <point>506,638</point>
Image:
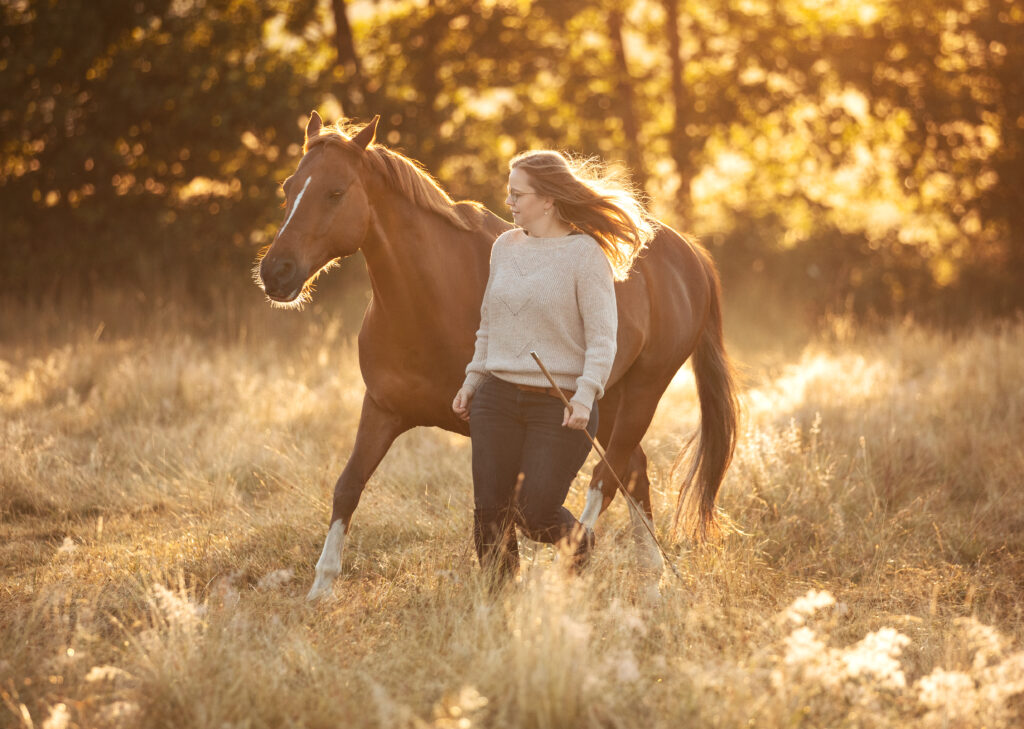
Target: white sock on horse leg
<point>592,509</point>
<point>329,565</point>
<point>650,555</point>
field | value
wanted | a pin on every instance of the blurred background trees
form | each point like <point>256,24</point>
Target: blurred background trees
<point>864,156</point>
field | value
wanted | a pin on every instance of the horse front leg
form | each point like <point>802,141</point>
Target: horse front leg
<point>377,430</point>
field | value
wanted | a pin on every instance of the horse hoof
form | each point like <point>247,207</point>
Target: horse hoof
<point>320,590</point>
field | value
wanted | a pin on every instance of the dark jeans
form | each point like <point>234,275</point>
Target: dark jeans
<point>515,432</point>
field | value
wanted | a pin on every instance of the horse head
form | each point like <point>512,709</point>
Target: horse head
<point>327,213</point>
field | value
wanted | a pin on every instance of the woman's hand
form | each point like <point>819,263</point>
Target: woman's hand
<point>576,416</point>
<point>461,403</point>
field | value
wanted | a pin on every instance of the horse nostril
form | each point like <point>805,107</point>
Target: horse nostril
<point>284,269</point>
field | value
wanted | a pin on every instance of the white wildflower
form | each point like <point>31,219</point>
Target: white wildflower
<point>175,608</point>
<point>454,710</point>
<point>276,580</point>
<point>987,643</point>
<point>807,656</point>
<point>950,695</point>
<point>106,673</point>
<point>805,607</point>
<point>803,647</point>
<point>1003,680</point>
<point>59,717</point>
<point>875,656</point>
<point>119,713</point>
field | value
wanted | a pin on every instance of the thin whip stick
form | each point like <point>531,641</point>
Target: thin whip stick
<point>600,451</point>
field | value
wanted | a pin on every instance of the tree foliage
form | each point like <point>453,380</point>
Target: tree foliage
<point>144,134</point>
<point>867,152</point>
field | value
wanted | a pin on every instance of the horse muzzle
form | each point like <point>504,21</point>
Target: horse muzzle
<point>282,281</point>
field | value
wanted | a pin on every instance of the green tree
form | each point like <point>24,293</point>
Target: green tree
<point>144,136</point>
<point>865,153</point>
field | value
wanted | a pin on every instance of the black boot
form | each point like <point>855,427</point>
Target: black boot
<point>494,536</point>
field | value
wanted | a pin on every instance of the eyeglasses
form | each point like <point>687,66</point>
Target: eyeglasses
<point>514,196</point>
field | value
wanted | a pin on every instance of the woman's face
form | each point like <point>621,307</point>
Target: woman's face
<point>526,205</point>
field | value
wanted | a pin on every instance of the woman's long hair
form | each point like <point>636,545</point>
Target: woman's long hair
<point>594,199</point>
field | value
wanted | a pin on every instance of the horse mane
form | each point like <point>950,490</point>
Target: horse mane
<point>404,175</point>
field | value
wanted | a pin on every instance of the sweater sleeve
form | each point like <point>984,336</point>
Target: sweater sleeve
<point>476,370</point>
<point>595,295</point>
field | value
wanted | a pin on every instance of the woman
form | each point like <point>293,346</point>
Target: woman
<point>550,290</point>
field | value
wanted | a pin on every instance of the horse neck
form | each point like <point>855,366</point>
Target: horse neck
<point>420,263</point>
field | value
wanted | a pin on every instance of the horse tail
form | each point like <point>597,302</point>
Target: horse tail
<point>719,417</point>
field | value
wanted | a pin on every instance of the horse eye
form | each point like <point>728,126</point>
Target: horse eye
<point>337,193</point>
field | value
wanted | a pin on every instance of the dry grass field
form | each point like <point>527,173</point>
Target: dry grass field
<point>163,500</point>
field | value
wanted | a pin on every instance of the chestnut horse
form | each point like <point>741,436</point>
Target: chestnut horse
<point>427,258</point>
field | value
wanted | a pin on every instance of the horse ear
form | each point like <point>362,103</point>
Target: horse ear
<point>367,133</point>
<point>313,126</point>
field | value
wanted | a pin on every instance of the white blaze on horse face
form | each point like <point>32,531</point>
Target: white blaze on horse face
<point>329,565</point>
<point>592,509</point>
<point>295,207</point>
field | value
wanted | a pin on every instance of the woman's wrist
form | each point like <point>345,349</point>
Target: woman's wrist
<point>581,403</point>
<point>472,381</point>
<point>586,393</point>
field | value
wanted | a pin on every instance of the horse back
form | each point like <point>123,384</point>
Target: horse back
<point>663,305</point>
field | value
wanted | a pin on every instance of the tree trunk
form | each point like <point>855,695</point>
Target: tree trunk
<point>352,92</point>
<point>627,102</point>
<point>679,143</point>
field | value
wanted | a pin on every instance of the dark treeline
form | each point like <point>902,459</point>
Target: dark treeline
<point>864,155</point>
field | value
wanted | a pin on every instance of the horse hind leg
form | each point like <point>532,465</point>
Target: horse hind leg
<point>623,452</point>
<point>642,519</point>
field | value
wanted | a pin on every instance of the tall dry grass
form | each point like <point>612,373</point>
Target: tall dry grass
<point>163,499</point>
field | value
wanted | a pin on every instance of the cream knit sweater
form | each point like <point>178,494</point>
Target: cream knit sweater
<point>555,296</point>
